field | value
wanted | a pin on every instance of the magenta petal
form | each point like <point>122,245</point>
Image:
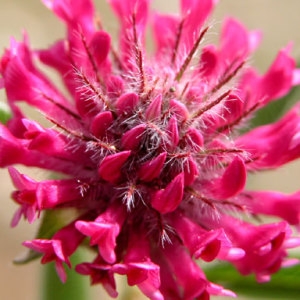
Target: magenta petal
<point>46,141</point>
<point>232,110</point>
<point>125,10</point>
<point>144,274</point>
<point>115,86</point>
<point>164,31</point>
<point>150,149</point>
<point>179,109</point>
<point>100,272</point>
<point>151,169</point>
<point>104,231</point>
<point>59,248</point>
<point>296,77</point>
<point>194,138</point>
<point>234,178</point>
<point>99,46</point>
<point>232,181</point>
<point>203,243</point>
<point>194,13</point>
<point>209,61</point>
<point>21,181</point>
<point>101,123</point>
<point>43,195</point>
<point>51,193</point>
<point>126,103</point>
<point>263,246</point>
<point>58,57</point>
<point>103,234</point>
<point>191,171</point>
<point>274,144</point>
<point>235,41</point>
<point>278,204</point>
<point>189,277</point>
<point>173,135</point>
<point>139,268</point>
<point>110,167</point>
<point>153,111</point>
<point>279,78</point>
<point>168,199</point>
<point>132,138</point>
<point>25,196</point>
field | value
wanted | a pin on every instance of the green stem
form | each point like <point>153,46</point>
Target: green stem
<point>76,287</point>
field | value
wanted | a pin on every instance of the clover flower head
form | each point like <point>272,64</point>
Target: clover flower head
<point>150,148</point>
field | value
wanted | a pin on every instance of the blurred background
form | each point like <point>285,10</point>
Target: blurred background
<point>280,24</point>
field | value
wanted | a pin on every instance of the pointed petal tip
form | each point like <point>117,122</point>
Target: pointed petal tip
<point>168,199</point>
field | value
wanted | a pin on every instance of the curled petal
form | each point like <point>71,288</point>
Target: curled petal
<point>236,41</point>
<point>209,61</point>
<point>24,82</point>
<point>173,134</point>
<point>190,279</point>
<point>164,31</point>
<point>279,78</point>
<point>15,151</point>
<point>62,245</point>
<point>12,149</point>
<point>21,181</point>
<point>278,204</point>
<point>194,138</point>
<point>99,46</point>
<point>232,110</point>
<point>153,111</point>
<point>125,11</point>
<point>179,110</point>
<point>276,83</point>
<point>133,16</point>
<point>57,57</point>
<point>234,178</point>
<point>205,244</point>
<point>194,15</point>
<point>274,144</point>
<point>126,103</point>
<point>263,246</point>
<point>132,138</point>
<point>115,86</point>
<point>190,171</point>
<point>47,141</point>
<point>100,272</point>
<point>101,123</point>
<point>110,167</point>
<point>139,268</point>
<point>152,169</point>
<point>102,234</point>
<point>104,231</point>
<point>232,181</point>
<point>168,199</point>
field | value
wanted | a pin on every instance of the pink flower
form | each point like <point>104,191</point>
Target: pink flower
<point>149,148</point>
<point>59,248</point>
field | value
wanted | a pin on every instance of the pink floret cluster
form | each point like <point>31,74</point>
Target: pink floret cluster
<point>149,146</point>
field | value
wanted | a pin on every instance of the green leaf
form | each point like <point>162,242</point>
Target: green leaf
<point>5,114</point>
<point>77,286</point>
<point>284,285</point>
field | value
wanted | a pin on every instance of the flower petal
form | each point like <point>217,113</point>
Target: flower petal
<point>152,169</point>
<point>110,166</point>
<point>168,199</point>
